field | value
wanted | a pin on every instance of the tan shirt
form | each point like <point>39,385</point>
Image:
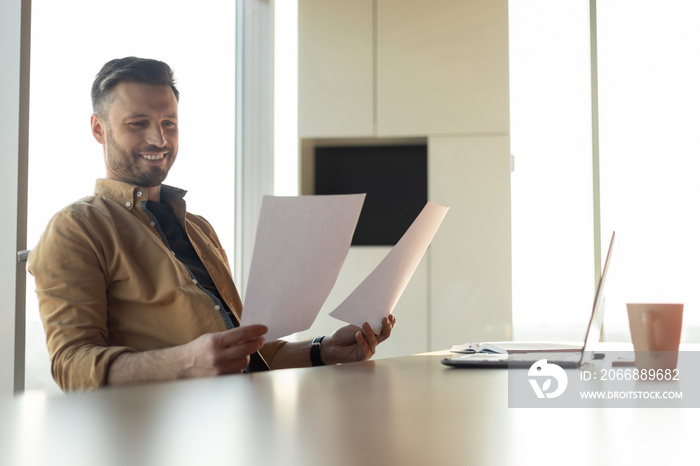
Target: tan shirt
<point>107,283</point>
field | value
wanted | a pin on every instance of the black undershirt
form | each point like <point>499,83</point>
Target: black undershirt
<point>180,244</point>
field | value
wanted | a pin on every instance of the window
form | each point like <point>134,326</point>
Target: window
<point>197,39</point>
<point>286,135</point>
<point>551,185</point>
<point>648,72</point>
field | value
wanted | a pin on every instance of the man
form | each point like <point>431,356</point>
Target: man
<point>132,288</point>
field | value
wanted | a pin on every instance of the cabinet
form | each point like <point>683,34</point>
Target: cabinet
<point>442,67</point>
<point>336,71</point>
<point>405,70</point>
<point>402,67</point>
<point>470,262</point>
<point>411,311</point>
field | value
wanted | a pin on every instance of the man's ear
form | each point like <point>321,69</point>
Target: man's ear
<point>98,128</point>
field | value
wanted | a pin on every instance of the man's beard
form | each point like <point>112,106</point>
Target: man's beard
<point>125,165</point>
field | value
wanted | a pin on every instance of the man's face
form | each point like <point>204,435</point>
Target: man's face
<point>139,134</point>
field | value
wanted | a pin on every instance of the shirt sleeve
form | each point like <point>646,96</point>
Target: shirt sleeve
<point>71,279</point>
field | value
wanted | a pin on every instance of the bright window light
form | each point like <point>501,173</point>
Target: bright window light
<point>71,40</point>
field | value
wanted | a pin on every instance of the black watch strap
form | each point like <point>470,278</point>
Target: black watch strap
<point>316,352</point>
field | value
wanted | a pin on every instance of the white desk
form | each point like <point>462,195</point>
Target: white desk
<point>403,411</point>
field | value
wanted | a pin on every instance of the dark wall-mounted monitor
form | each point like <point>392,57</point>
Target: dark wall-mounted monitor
<point>395,179</point>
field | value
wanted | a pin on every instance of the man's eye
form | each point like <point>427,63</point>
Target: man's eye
<point>169,123</point>
<point>137,124</point>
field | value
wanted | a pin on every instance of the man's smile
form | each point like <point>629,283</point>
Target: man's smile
<point>152,156</point>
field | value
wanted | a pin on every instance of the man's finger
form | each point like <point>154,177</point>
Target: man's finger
<point>241,334</point>
<point>234,366</point>
<point>369,335</point>
<point>242,349</point>
<point>387,326</point>
<point>363,345</point>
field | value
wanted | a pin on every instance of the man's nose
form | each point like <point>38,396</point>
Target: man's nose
<point>156,136</point>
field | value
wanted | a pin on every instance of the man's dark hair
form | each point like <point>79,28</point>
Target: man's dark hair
<point>129,69</point>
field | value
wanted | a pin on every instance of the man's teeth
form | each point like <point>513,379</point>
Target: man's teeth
<point>152,157</point>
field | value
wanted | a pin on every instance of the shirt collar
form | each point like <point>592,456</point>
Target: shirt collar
<point>128,194</point>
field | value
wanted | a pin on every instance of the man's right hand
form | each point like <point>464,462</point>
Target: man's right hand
<point>211,354</point>
<point>221,353</point>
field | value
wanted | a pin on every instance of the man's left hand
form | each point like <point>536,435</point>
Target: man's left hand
<point>352,343</point>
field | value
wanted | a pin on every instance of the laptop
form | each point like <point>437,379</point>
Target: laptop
<point>570,357</point>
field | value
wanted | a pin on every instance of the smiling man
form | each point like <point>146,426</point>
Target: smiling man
<point>133,288</point>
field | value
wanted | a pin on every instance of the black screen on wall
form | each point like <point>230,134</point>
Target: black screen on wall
<point>395,179</point>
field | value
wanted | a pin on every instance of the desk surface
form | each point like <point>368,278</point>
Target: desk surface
<point>403,411</point>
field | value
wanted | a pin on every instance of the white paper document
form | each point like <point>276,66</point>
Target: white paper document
<point>376,297</point>
<point>300,247</point>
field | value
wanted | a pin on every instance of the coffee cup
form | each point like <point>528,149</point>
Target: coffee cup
<point>656,334</point>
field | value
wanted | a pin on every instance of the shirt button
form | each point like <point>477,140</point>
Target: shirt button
<point>139,193</point>
<point>153,224</point>
<point>217,307</point>
<point>172,252</point>
<point>128,204</point>
<point>194,280</point>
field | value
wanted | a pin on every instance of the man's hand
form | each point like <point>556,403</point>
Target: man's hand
<point>221,353</point>
<point>211,354</point>
<point>352,343</point>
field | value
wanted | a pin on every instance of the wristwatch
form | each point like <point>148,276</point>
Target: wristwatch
<point>316,352</point>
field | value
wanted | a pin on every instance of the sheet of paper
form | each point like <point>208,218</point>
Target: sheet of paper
<point>300,247</point>
<point>376,297</point>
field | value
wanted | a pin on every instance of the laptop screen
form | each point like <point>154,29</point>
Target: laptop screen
<point>595,326</point>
